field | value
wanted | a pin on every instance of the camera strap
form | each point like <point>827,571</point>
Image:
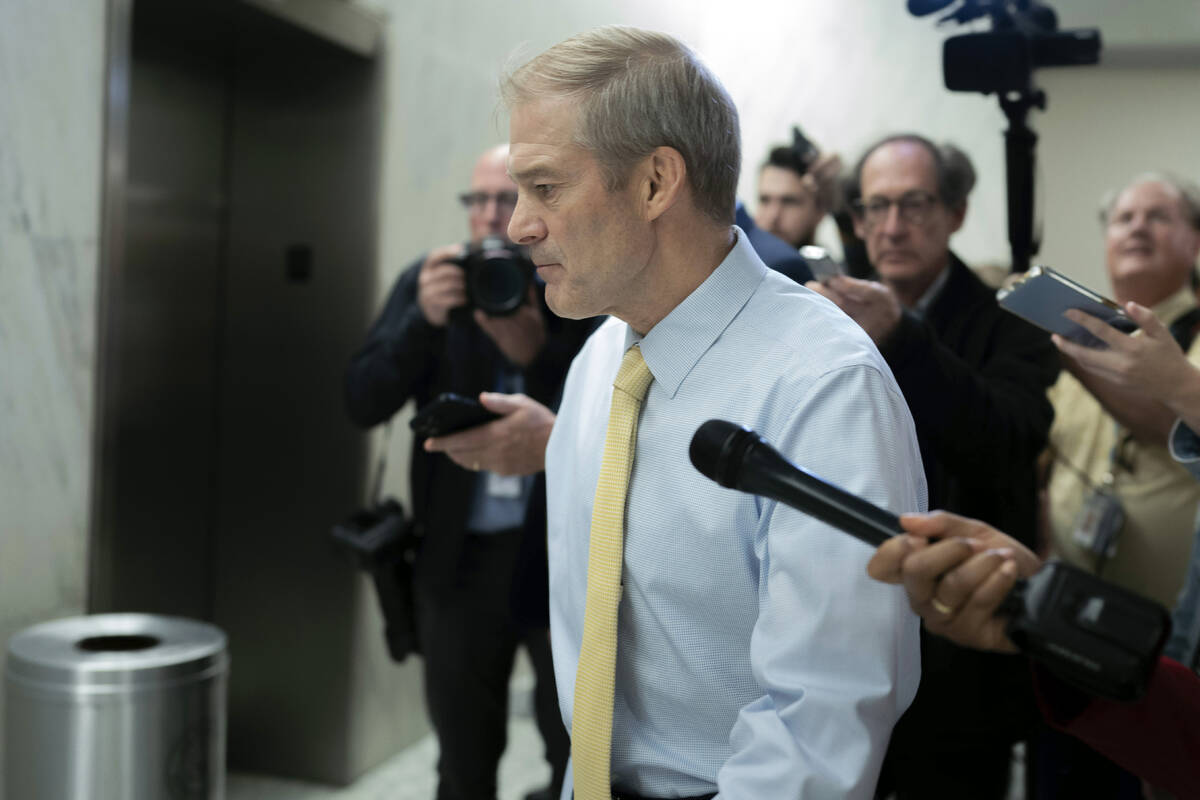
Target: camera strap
<point>1101,515</point>
<point>381,466</point>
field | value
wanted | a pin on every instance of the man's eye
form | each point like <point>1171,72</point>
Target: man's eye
<point>544,189</point>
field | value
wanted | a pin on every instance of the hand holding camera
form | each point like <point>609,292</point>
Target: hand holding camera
<point>495,279</point>
<point>442,284</point>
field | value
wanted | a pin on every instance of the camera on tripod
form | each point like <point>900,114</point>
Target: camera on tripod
<point>1024,36</point>
<point>498,276</point>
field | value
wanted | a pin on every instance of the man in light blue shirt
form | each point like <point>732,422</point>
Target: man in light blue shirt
<point>755,658</point>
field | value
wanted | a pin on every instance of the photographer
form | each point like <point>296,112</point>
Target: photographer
<point>480,578</point>
<point>797,187</point>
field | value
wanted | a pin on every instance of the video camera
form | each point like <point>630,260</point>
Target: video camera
<point>1024,36</point>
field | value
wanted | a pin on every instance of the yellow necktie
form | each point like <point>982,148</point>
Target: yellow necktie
<point>591,724</point>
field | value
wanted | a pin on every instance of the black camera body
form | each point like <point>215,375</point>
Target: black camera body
<point>1091,633</point>
<point>385,543</point>
<point>1004,60</point>
<point>498,276</point>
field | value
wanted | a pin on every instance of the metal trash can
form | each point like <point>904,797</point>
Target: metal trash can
<point>116,707</point>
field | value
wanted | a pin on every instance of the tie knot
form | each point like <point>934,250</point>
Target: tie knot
<point>634,377</point>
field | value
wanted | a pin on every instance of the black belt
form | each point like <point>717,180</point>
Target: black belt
<point>624,796</point>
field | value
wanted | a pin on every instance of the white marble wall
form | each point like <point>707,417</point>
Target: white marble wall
<point>51,79</point>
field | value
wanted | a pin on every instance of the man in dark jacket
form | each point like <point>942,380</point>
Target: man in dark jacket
<point>975,378</point>
<point>483,533</point>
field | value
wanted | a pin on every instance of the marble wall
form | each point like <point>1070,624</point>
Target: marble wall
<point>51,81</point>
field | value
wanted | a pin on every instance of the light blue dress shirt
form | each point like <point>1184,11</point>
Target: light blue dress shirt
<point>1185,621</point>
<point>754,654</point>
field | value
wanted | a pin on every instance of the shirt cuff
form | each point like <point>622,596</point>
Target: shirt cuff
<point>1185,447</point>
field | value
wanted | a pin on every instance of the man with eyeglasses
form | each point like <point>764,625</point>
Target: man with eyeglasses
<point>480,580</point>
<point>975,378</point>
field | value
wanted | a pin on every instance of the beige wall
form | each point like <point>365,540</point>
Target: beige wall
<point>1105,126</point>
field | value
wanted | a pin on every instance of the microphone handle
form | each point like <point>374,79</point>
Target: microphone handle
<point>765,472</point>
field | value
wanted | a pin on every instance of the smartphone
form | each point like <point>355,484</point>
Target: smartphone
<point>449,413</point>
<point>1042,295</point>
<point>821,263</point>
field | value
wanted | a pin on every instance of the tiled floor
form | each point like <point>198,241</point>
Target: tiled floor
<point>410,775</point>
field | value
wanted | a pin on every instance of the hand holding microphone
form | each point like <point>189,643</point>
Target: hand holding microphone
<point>1091,633</point>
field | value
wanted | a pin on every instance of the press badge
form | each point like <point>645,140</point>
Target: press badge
<point>504,487</point>
<point>1099,522</point>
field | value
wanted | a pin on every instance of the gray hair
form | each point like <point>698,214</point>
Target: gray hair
<point>1189,195</point>
<point>639,90</point>
<point>953,169</point>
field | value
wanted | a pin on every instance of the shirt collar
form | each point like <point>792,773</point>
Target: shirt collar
<point>921,307</point>
<point>1175,306</point>
<point>673,346</point>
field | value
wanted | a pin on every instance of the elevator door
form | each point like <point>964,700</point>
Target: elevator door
<point>247,280</point>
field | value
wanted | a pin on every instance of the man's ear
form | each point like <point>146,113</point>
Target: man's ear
<point>1194,247</point>
<point>663,179</point>
<point>860,228</point>
<point>957,215</point>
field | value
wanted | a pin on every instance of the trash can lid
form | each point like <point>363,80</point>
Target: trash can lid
<point>105,651</point>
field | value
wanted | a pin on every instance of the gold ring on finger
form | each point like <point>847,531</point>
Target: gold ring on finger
<point>941,607</point>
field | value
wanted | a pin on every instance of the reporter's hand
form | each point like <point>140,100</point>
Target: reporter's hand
<point>515,444</point>
<point>520,335</point>
<point>869,303</point>
<point>955,584</point>
<point>441,285</point>
<point>1149,362</point>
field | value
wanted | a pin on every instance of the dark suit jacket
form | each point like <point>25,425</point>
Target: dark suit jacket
<point>975,378</point>
<point>407,358</point>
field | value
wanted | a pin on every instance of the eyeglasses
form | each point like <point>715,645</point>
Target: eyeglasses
<point>477,201</point>
<point>914,208</point>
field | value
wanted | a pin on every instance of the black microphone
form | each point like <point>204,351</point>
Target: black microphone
<point>922,8</point>
<point>738,458</point>
<point>1094,634</point>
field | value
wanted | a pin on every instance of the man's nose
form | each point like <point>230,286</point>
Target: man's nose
<point>525,227</point>
<point>892,224</point>
<point>1139,223</point>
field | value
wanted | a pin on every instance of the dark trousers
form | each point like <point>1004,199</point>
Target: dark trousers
<point>955,741</point>
<point>469,640</point>
<point>1059,765</point>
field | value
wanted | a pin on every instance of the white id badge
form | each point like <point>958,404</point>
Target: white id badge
<point>505,487</point>
<point>1099,521</point>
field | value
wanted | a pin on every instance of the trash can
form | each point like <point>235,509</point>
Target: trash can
<point>116,707</point>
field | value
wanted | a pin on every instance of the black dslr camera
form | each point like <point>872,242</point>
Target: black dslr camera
<point>498,276</point>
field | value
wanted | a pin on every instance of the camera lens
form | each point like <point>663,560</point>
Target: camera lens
<point>497,278</point>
